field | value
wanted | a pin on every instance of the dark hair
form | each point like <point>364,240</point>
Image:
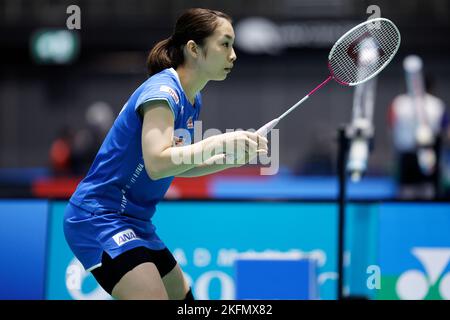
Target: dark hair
<point>194,24</point>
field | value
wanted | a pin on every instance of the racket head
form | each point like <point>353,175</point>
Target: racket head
<point>364,51</point>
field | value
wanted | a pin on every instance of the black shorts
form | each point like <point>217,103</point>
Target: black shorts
<point>112,270</point>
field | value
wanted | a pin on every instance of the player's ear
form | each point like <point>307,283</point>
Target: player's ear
<point>192,48</point>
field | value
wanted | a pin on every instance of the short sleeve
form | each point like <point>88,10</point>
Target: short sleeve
<point>165,92</point>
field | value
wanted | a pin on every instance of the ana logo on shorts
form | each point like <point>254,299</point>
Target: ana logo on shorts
<point>415,285</point>
<point>125,236</point>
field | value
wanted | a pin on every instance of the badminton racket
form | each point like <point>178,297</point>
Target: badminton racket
<point>350,62</point>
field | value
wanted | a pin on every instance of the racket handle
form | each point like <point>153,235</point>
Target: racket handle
<point>225,159</point>
<point>214,158</point>
<point>264,130</point>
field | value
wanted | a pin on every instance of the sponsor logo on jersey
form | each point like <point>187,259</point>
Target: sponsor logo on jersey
<point>125,236</point>
<point>190,123</point>
<point>170,91</point>
<point>178,141</point>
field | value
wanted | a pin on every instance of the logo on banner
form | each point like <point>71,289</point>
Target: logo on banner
<point>416,285</point>
<point>76,279</point>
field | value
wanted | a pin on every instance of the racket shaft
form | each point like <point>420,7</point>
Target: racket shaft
<point>305,97</point>
<point>293,107</point>
<point>265,129</point>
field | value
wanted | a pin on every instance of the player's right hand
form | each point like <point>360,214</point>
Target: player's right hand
<point>243,146</point>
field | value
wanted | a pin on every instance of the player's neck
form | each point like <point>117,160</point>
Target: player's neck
<point>191,82</point>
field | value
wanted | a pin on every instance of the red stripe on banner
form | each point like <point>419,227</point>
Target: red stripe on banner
<point>54,187</point>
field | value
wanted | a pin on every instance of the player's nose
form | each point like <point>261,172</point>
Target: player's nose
<point>233,56</point>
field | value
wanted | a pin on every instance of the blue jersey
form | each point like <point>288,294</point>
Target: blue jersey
<point>117,180</point>
<point>112,207</point>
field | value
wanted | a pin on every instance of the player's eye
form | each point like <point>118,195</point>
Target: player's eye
<point>226,44</point>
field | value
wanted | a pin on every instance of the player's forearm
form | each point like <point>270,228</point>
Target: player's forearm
<point>205,169</point>
<point>174,161</point>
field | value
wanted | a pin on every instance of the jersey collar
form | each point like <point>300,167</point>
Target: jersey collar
<point>174,72</point>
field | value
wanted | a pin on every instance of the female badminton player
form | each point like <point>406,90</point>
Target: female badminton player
<point>107,222</point>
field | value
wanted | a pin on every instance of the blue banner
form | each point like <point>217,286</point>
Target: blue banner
<point>414,251</point>
<point>23,249</point>
<point>206,237</point>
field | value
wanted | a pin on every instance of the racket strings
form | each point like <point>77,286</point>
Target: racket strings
<point>345,67</point>
<point>377,45</point>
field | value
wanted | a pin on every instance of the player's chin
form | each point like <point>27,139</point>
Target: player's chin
<point>222,75</point>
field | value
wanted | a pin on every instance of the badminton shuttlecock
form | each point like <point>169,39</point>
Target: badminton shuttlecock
<point>368,53</point>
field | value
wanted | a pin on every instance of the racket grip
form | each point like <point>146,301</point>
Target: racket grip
<point>216,157</point>
<point>264,130</point>
<point>226,159</point>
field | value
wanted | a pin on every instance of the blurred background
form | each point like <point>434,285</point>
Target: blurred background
<point>61,89</point>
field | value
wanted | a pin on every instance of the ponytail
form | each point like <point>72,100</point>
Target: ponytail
<point>161,57</point>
